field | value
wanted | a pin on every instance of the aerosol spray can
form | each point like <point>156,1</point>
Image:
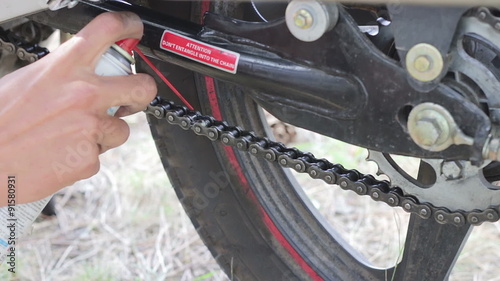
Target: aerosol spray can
<point>16,220</point>
<point>117,61</point>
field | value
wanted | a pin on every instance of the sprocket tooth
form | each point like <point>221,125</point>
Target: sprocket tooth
<point>370,159</point>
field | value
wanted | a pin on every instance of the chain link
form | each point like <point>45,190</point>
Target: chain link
<point>25,52</point>
<point>303,162</point>
<point>485,15</point>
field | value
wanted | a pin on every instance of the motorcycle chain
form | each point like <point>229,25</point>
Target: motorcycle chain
<point>304,162</point>
<point>24,51</point>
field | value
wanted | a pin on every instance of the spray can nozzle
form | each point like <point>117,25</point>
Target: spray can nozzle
<point>128,44</point>
<point>124,48</point>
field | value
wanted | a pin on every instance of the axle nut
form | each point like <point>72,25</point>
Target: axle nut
<point>427,132</point>
<point>432,127</point>
<point>428,128</point>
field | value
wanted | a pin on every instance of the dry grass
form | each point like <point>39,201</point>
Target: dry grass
<point>126,224</point>
<point>123,224</point>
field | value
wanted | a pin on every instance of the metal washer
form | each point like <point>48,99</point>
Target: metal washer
<point>324,18</point>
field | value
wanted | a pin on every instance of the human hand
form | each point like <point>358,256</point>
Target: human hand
<point>53,121</point>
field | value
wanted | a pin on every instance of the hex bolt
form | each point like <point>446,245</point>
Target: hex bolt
<point>303,19</point>
<point>424,62</point>
<point>452,170</point>
<point>432,127</point>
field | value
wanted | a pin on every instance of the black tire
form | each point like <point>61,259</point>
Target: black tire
<point>247,220</point>
<point>254,218</point>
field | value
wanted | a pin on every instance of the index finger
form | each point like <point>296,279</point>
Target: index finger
<point>103,31</point>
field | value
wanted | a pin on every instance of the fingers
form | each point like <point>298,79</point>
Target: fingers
<point>106,132</point>
<point>95,38</point>
<point>114,132</point>
<point>133,93</point>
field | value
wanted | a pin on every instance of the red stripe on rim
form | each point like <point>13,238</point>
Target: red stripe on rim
<point>231,155</point>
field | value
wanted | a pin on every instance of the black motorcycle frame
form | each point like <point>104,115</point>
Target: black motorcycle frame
<point>341,85</point>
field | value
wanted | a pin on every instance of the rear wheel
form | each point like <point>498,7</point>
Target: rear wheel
<point>253,216</point>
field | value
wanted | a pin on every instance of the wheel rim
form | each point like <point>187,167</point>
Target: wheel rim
<point>322,248</point>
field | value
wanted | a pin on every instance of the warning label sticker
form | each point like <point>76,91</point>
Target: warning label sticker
<point>201,52</point>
